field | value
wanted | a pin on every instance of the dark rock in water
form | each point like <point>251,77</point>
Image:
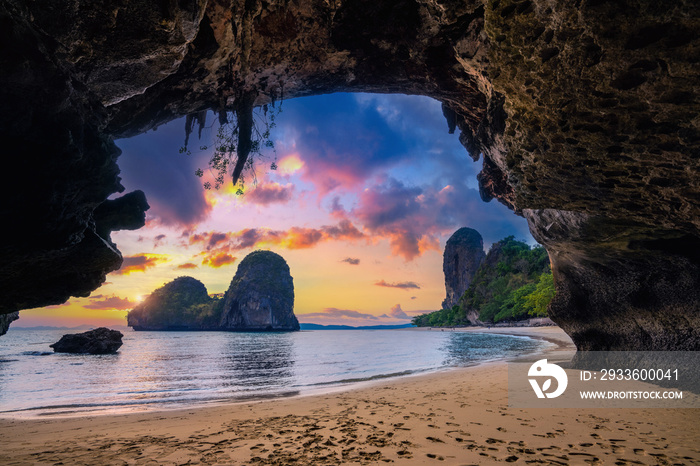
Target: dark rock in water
<point>6,320</point>
<point>261,295</point>
<point>98,341</point>
<point>182,304</point>
<point>464,252</point>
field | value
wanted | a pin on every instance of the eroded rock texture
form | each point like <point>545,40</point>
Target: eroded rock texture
<point>261,295</point>
<point>464,253</point>
<point>585,114</point>
<point>6,320</point>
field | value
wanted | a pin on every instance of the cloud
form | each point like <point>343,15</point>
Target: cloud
<point>218,260</point>
<point>402,285</point>
<point>293,238</point>
<point>339,141</point>
<point>344,230</point>
<point>414,218</point>
<point>158,241</point>
<point>187,265</point>
<point>152,162</point>
<point>109,303</point>
<point>140,263</point>
<point>270,193</point>
<point>342,313</point>
<point>405,215</point>
<point>351,260</point>
<point>397,313</point>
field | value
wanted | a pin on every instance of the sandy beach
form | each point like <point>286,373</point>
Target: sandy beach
<point>458,416</point>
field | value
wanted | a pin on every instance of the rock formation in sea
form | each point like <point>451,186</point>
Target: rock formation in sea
<point>6,320</point>
<point>98,341</point>
<point>182,304</point>
<point>583,113</point>
<point>463,254</point>
<point>260,298</point>
<point>261,295</point>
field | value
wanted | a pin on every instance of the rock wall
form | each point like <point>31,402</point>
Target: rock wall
<point>6,320</point>
<point>585,115</point>
<point>261,295</point>
<point>463,254</point>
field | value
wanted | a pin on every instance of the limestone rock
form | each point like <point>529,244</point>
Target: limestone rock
<point>98,341</point>
<point>589,108</point>
<point>6,320</point>
<point>261,295</point>
<point>182,304</point>
<point>464,252</point>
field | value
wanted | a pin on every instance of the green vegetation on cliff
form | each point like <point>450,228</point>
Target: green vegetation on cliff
<point>182,304</point>
<point>513,283</point>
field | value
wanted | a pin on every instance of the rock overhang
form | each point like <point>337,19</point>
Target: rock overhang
<point>585,115</point>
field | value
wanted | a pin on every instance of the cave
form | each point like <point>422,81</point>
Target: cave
<point>584,115</point>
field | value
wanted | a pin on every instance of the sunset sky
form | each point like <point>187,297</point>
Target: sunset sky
<point>368,190</point>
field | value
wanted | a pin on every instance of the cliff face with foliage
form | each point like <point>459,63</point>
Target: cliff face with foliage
<point>182,304</point>
<point>510,284</point>
<point>513,282</point>
<point>585,115</point>
<point>260,298</point>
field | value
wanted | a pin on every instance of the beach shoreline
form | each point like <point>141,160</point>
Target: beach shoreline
<point>459,415</point>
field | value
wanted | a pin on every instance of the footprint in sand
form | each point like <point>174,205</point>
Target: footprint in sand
<point>434,439</point>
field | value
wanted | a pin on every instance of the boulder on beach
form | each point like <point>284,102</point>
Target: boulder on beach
<point>98,341</point>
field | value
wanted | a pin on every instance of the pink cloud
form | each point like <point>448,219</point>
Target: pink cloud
<point>270,193</point>
<point>293,238</point>
<point>219,259</point>
<point>397,313</point>
<point>187,265</point>
<point>401,285</point>
<point>411,218</point>
<point>340,313</point>
<point>109,303</point>
<point>140,263</point>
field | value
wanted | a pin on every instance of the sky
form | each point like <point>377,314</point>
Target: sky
<point>367,190</point>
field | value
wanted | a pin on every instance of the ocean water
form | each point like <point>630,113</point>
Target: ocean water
<point>161,370</point>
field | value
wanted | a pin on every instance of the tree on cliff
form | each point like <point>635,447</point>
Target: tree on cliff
<point>512,283</point>
<point>180,304</point>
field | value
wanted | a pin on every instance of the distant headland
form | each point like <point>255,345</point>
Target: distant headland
<point>260,298</point>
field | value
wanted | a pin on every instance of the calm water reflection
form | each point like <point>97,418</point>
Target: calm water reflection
<point>175,369</point>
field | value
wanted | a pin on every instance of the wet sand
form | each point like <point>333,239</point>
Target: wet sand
<point>458,416</point>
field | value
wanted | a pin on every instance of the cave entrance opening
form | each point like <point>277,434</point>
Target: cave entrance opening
<point>365,190</point>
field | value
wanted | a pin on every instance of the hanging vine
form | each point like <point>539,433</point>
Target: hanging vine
<point>241,143</point>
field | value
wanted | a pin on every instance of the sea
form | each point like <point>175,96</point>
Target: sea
<point>164,370</point>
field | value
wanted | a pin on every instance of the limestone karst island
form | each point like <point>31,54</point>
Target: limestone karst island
<point>260,298</point>
<point>490,210</point>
